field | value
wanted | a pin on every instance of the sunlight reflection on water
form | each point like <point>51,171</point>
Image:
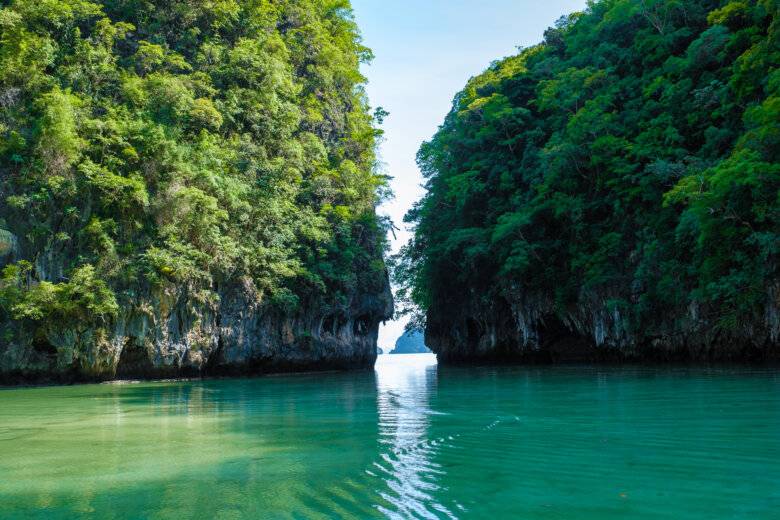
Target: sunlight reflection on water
<point>404,385</point>
<point>408,440</point>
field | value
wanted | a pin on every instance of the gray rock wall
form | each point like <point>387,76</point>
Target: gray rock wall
<point>527,328</point>
<point>173,334</point>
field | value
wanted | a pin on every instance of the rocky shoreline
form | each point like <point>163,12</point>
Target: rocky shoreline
<point>520,328</point>
<point>171,335</point>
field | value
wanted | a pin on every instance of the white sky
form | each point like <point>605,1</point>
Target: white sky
<point>425,53</point>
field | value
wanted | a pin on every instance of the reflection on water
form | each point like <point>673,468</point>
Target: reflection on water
<point>407,454</point>
<point>408,440</point>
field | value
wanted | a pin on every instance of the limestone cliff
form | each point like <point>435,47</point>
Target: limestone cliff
<point>186,188</point>
<point>172,334</point>
<point>520,327</point>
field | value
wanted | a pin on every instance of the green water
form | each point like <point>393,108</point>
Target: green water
<point>409,440</point>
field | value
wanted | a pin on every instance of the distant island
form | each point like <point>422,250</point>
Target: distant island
<point>410,343</point>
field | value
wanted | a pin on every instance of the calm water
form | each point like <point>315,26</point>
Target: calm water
<point>407,441</point>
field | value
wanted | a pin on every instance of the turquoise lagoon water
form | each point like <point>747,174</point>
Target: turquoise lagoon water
<point>408,440</point>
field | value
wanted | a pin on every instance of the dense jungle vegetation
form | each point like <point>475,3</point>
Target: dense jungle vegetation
<point>148,144</point>
<point>634,154</point>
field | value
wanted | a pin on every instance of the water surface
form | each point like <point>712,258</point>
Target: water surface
<point>410,440</point>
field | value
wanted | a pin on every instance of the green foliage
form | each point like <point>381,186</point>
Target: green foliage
<point>83,299</point>
<point>152,144</point>
<point>636,150</point>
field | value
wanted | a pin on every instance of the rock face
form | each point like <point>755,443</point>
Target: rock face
<point>173,335</point>
<point>518,327</point>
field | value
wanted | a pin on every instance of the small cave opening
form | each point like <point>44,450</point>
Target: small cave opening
<point>133,362</point>
<point>473,332</point>
<point>563,344</point>
<point>216,359</point>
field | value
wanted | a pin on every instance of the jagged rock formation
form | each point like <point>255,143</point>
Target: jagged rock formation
<point>173,335</point>
<point>519,328</point>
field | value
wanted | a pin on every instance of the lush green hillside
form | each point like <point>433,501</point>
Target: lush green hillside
<point>167,146</point>
<point>615,186</point>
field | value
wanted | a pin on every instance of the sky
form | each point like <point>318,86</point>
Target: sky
<point>425,52</point>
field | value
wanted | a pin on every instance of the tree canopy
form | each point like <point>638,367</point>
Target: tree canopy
<point>154,144</point>
<point>633,154</point>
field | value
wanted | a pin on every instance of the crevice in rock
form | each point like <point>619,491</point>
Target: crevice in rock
<point>362,325</point>
<point>328,325</point>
